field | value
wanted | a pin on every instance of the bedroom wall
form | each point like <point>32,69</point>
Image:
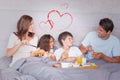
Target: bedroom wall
<point>77,16</point>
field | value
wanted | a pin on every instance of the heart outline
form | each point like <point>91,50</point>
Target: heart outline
<point>51,23</point>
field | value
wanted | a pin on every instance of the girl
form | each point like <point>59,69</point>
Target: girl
<point>46,47</point>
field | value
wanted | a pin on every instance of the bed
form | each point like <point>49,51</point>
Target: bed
<point>41,68</point>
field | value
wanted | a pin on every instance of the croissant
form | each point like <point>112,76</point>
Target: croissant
<point>39,52</point>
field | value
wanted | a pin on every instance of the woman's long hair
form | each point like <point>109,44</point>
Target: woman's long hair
<point>23,26</point>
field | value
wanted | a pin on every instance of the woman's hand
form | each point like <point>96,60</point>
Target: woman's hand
<point>24,42</point>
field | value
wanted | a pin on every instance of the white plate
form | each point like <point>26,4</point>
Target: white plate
<point>66,64</point>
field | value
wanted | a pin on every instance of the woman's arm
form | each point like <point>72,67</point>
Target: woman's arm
<point>11,51</point>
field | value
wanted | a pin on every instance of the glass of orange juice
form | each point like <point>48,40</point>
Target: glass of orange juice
<point>79,60</point>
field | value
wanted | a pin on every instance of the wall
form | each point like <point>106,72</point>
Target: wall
<point>54,16</point>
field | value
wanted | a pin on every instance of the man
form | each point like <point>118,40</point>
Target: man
<point>101,44</point>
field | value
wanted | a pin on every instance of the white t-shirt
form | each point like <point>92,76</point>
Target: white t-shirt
<point>24,50</point>
<point>73,52</point>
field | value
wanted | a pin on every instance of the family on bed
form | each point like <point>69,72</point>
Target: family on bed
<point>23,43</point>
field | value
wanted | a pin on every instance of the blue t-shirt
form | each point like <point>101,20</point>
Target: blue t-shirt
<point>109,47</point>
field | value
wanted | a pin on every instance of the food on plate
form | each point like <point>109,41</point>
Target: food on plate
<point>93,64</point>
<point>39,52</point>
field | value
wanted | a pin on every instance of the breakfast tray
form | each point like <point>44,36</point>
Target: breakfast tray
<point>92,66</point>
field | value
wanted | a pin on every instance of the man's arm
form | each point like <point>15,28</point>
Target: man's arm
<point>115,59</point>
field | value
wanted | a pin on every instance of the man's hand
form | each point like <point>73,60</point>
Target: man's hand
<point>98,55</point>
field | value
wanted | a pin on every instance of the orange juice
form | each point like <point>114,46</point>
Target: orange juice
<point>79,60</point>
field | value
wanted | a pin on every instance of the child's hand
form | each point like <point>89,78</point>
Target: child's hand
<point>52,56</point>
<point>64,56</point>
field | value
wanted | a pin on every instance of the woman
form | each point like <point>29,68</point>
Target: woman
<point>45,47</point>
<point>23,41</point>
<point>67,52</point>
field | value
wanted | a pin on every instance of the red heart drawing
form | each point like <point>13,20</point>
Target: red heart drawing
<point>45,25</point>
<point>57,21</point>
